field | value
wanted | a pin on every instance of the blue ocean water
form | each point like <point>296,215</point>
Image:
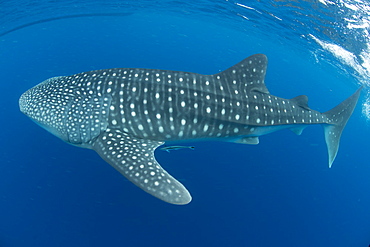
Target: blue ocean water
<point>278,193</point>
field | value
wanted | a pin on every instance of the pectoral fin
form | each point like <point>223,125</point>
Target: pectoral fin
<point>134,158</point>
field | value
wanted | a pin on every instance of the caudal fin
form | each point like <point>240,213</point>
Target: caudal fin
<point>338,117</point>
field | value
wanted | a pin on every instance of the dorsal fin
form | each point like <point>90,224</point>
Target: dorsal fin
<point>302,101</point>
<point>250,72</point>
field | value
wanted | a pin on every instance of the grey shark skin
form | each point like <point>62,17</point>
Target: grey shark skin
<point>125,114</point>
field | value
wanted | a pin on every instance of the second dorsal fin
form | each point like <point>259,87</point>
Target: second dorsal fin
<point>302,101</point>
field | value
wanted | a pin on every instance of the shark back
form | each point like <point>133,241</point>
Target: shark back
<point>172,105</point>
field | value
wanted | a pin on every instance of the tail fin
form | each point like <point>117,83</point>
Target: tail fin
<point>338,117</point>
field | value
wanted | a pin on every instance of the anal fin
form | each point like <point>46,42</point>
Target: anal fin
<point>298,130</point>
<point>134,158</point>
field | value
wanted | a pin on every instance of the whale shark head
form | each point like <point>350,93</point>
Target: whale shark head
<point>124,114</point>
<point>39,105</point>
<point>59,106</point>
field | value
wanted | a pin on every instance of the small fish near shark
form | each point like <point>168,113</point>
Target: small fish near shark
<point>124,114</point>
<point>171,148</point>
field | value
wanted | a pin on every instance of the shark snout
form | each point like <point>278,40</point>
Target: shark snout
<point>23,103</point>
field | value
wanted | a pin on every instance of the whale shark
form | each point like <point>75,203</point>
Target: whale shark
<point>124,114</point>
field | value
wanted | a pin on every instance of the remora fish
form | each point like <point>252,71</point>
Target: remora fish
<point>125,114</point>
<point>170,148</point>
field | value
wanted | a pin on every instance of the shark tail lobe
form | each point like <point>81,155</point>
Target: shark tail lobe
<point>337,120</point>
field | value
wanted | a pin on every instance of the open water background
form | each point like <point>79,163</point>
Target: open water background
<point>278,193</point>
